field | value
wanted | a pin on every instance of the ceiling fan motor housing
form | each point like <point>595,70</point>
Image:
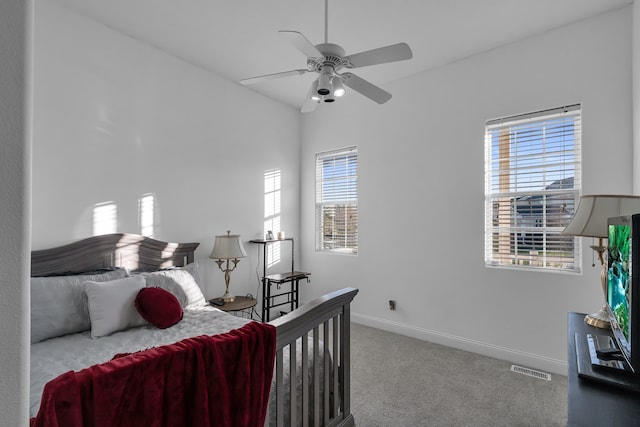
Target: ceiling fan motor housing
<point>326,67</point>
<point>333,55</point>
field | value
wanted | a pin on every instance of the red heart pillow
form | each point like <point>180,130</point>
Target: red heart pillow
<point>159,307</point>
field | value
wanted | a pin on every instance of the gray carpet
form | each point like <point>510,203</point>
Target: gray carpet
<point>397,381</point>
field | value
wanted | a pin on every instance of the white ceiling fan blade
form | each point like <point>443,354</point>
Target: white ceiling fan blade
<point>381,55</point>
<point>302,43</point>
<point>367,89</point>
<point>258,79</point>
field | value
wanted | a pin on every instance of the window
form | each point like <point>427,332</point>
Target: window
<point>337,201</point>
<point>272,202</point>
<point>532,186</point>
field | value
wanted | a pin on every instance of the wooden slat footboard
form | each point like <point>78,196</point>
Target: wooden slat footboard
<point>316,338</point>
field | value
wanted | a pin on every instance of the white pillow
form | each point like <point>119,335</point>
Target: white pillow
<point>59,304</point>
<point>181,282</point>
<point>112,305</point>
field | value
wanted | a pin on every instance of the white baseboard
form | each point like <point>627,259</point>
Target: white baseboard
<point>529,360</point>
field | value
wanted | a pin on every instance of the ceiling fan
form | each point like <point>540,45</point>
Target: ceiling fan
<point>328,60</point>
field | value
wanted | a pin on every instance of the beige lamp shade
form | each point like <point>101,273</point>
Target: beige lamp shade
<point>590,218</point>
<point>228,246</point>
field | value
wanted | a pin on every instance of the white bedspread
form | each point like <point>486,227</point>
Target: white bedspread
<point>56,356</point>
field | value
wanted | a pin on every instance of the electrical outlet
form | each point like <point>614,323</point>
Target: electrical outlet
<point>392,304</point>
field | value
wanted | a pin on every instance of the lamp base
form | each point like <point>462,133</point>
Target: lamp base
<point>227,297</point>
<point>599,319</point>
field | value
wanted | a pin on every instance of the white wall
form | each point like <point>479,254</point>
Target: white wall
<point>115,119</point>
<point>421,191</point>
<point>15,152</point>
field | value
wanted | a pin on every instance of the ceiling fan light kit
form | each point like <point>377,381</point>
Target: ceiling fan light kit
<point>324,81</point>
<point>338,89</point>
<point>313,92</point>
<point>327,59</point>
<point>329,98</point>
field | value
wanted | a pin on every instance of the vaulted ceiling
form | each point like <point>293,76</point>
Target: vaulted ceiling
<point>237,39</point>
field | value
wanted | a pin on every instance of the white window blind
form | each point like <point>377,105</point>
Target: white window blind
<point>532,186</point>
<point>337,201</point>
<point>272,211</point>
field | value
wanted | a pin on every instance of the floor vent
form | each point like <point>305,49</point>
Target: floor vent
<point>531,372</point>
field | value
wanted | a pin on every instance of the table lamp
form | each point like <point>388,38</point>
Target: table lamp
<point>591,220</point>
<point>227,248</point>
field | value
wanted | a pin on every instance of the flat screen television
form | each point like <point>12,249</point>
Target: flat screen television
<point>623,286</point>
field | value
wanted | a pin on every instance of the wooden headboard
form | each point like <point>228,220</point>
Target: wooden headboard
<point>135,252</point>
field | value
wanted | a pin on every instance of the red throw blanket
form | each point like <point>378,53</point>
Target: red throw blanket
<point>222,380</point>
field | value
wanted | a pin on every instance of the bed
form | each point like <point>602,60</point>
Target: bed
<point>294,370</point>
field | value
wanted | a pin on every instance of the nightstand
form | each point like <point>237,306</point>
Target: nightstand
<point>239,304</point>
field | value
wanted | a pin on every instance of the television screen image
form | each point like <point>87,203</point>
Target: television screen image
<point>618,290</point>
<point>622,285</point>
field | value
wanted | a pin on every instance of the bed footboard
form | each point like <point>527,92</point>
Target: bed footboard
<point>318,334</point>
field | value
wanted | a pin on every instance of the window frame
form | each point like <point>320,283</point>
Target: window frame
<point>506,224</point>
<point>344,197</point>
